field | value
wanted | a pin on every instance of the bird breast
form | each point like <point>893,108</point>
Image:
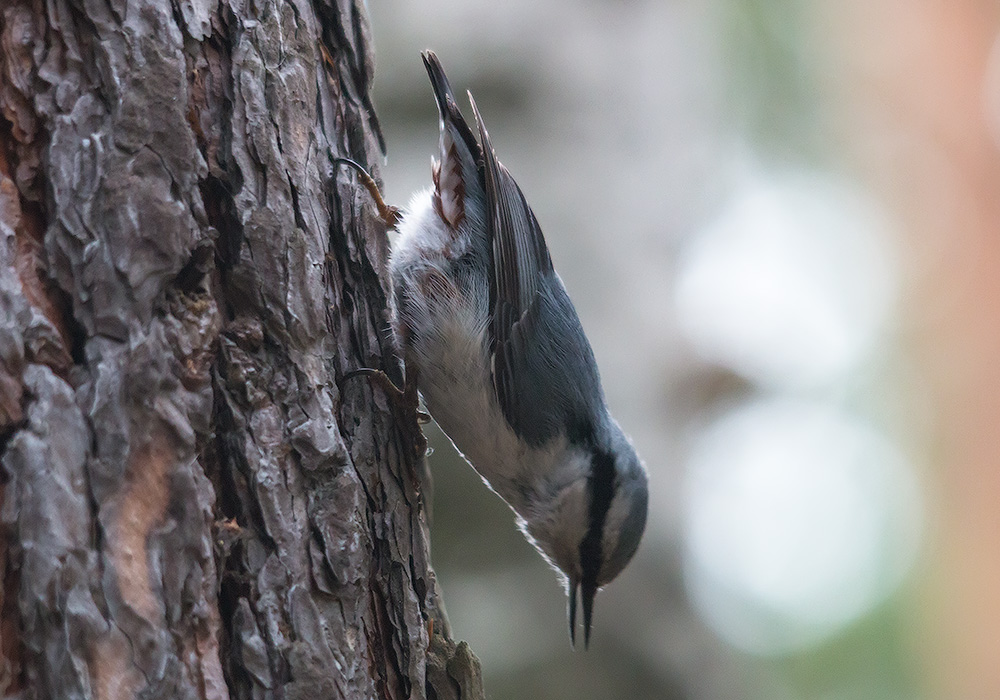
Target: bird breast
<point>440,320</point>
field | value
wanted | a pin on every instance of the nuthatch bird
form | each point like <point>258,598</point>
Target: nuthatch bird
<point>503,364</point>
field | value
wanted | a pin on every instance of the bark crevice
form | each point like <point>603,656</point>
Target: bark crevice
<point>194,507</point>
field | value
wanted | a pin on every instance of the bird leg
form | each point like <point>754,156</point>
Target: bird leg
<point>405,398</point>
<point>389,214</point>
<point>405,403</point>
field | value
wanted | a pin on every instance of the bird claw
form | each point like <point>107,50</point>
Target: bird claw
<point>380,378</point>
<point>388,213</point>
<point>406,401</point>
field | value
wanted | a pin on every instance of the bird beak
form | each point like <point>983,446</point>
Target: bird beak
<point>589,591</point>
<point>573,587</point>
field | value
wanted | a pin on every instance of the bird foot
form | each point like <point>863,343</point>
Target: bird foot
<point>389,214</point>
<point>405,402</point>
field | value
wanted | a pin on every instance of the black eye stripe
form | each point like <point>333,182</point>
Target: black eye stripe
<point>601,486</point>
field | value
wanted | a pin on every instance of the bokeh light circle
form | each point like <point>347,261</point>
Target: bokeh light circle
<point>799,519</point>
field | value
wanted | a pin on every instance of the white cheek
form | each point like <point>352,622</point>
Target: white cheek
<point>613,523</point>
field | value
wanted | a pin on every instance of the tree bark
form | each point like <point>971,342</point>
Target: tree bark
<point>193,506</point>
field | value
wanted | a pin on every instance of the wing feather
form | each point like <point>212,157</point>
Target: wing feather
<point>544,371</point>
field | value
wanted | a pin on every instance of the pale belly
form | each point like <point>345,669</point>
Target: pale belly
<point>441,320</point>
<point>441,327</point>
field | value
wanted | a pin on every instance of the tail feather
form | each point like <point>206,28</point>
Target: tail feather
<point>447,106</point>
<point>457,174</point>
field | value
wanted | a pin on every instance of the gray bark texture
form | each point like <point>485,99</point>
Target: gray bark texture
<point>193,506</point>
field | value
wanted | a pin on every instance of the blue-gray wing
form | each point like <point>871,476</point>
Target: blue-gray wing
<point>544,371</point>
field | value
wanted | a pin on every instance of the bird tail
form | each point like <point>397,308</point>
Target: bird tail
<point>456,177</point>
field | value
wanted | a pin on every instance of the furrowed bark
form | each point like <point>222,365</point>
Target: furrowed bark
<point>193,506</point>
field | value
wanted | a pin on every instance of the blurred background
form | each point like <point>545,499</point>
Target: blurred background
<point>780,223</point>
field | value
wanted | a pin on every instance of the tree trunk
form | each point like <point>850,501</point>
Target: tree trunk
<point>193,507</point>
